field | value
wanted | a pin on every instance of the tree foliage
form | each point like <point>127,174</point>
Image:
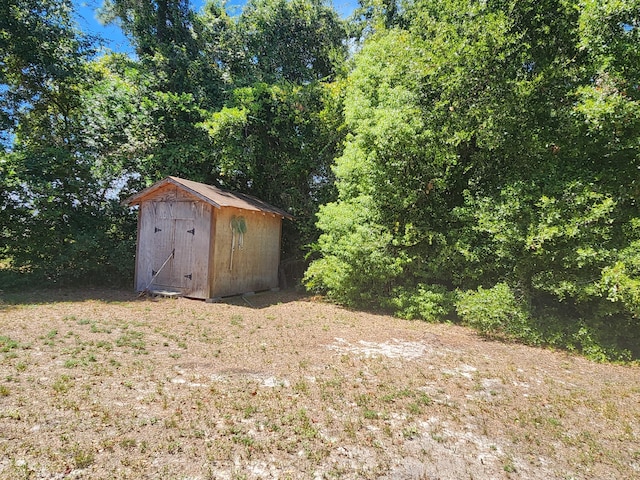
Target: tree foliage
<point>202,100</point>
<point>280,126</point>
<point>296,41</point>
<point>494,145</point>
<point>58,219</point>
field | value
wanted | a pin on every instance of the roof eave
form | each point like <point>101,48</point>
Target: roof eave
<point>138,197</point>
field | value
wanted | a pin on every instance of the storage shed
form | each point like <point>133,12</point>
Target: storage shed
<point>204,242</point>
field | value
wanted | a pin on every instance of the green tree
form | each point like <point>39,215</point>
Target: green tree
<point>281,125</point>
<point>38,45</point>
<point>183,71</point>
<point>494,143</point>
<point>60,219</point>
<point>296,41</point>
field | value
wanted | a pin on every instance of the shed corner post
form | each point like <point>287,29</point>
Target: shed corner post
<point>211,281</point>
<point>137,257</point>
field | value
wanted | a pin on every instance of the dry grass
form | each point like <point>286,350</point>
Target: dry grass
<point>99,384</point>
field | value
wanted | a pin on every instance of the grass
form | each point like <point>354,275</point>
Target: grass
<point>130,388</point>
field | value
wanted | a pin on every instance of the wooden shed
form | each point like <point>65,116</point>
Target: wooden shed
<point>204,242</point>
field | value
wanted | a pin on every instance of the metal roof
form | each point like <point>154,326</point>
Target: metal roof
<point>212,195</point>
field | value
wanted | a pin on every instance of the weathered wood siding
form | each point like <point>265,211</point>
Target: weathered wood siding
<point>254,265</point>
<point>172,221</point>
<point>195,240</point>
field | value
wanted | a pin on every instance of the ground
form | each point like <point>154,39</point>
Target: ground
<point>102,384</point>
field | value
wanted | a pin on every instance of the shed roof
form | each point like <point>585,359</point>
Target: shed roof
<point>212,195</point>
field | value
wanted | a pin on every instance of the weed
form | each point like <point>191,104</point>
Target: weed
<point>7,344</point>
<point>245,440</point>
<point>49,338</point>
<point>4,391</point>
<point>410,432</point>
<point>82,459</point>
<point>71,363</point>
<point>423,399</point>
<point>351,428</point>
<point>301,387</point>
<point>303,425</point>
<point>128,443</point>
<point>132,339</point>
<point>174,447</point>
<point>249,411</point>
<point>508,466</point>
<point>12,414</point>
<point>171,423</point>
<point>370,414</point>
<point>62,384</point>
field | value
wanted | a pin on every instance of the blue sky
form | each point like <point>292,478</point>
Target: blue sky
<point>115,40</point>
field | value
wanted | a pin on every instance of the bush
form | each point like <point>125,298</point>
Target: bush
<point>601,340</point>
<point>497,312</point>
<point>426,302</point>
<point>357,265</point>
<point>493,312</point>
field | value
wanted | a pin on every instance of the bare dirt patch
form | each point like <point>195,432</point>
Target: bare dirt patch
<point>104,385</point>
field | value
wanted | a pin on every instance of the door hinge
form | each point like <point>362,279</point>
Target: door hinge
<point>192,231</point>
<point>156,230</point>
<point>188,276</point>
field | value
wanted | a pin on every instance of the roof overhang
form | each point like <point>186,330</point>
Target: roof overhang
<point>214,196</point>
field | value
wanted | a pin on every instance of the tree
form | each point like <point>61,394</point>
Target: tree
<point>184,58</point>
<point>60,220</point>
<point>494,143</point>
<point>38,46</point>
<point>281,124</point>
<point>297,41</point>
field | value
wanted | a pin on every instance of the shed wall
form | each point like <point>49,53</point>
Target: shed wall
<point>253,266</point>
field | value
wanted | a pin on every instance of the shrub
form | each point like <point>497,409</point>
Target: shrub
<point>493,312</point>
<point>427,302</point>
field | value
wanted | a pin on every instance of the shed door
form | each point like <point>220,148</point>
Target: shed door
<point>173,234</point>
<point>183,261</point>
<point>162,234</point>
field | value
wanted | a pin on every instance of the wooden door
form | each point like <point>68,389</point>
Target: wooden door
<point>183,272</point>
<point>176,235</point>
<point>162,234</point>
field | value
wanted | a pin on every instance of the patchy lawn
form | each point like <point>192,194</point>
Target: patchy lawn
<point>100,384</point>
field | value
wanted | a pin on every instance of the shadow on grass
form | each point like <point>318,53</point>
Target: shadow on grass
<point>266,299</point>
<point>22,290</point>
<point>43,295</point>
